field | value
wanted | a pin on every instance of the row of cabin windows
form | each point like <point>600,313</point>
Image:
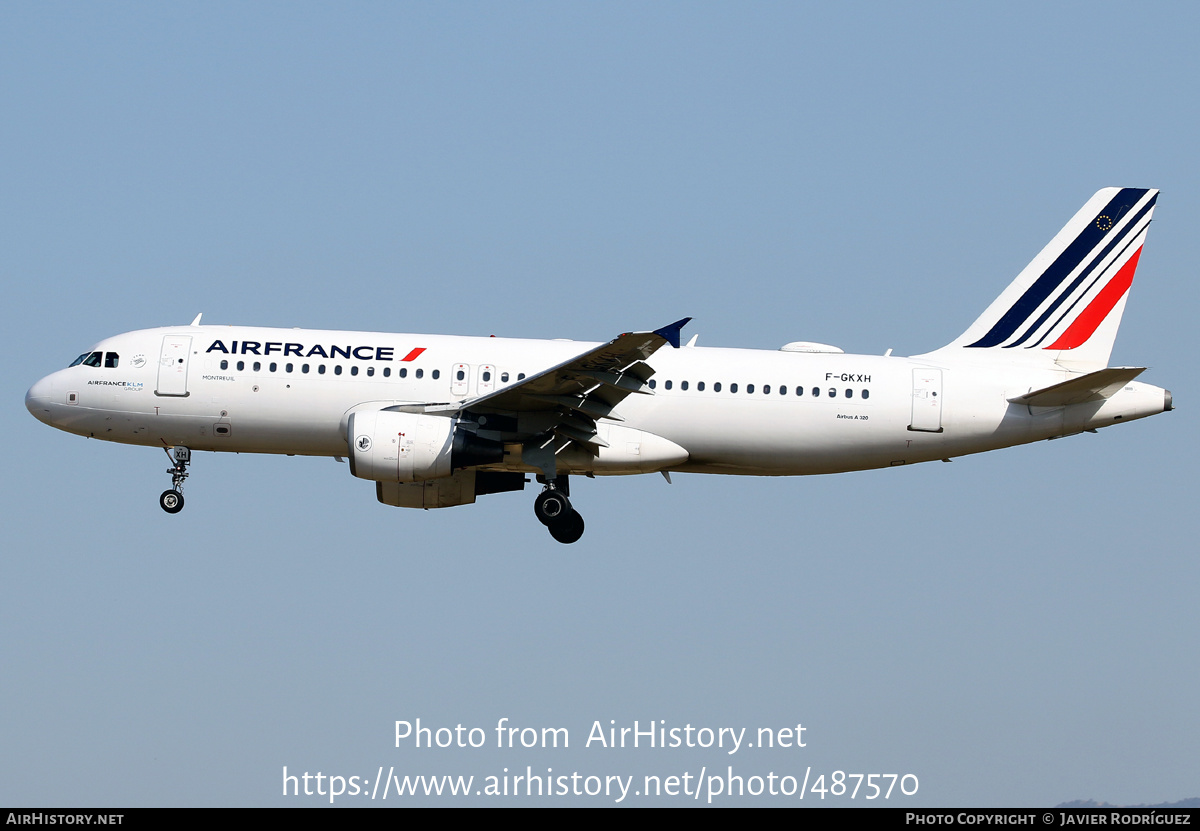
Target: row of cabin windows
<point>402,372</point>
<point>109,360</point>
<point>782,389</point>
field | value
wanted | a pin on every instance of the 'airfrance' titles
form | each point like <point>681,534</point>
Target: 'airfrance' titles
<point>362,353</point>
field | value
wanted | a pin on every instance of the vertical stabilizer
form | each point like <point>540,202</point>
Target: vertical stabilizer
<point>1066,305</point>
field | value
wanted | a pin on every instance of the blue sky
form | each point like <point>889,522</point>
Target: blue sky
<point>1017,628</point>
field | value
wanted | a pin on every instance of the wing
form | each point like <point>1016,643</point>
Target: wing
<point>552,409</point>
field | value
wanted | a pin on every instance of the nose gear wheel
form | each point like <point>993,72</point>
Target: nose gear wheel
<point>172,501</point>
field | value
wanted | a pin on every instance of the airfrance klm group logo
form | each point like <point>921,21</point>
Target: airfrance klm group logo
<point>1074,294</point>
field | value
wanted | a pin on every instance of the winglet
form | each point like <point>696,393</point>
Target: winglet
<point>196,322</point>
<point>671,333</point>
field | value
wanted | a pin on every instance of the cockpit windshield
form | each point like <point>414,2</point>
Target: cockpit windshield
<point>107,359</point>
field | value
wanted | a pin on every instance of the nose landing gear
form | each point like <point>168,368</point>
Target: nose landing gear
<point>172,501</point>
<point>553,509</point>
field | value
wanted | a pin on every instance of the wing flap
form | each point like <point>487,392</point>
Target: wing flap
<point>621,381</point>
<point>592,406</point>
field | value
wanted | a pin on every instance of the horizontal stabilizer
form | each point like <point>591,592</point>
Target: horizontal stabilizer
<point>1095,386</point>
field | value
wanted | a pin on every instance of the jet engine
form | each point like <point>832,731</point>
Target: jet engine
<point>409,447</point>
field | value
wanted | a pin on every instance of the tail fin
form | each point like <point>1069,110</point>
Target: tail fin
<point>1066,305</point>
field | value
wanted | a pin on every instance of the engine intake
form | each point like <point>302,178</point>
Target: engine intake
<point>408,447</point>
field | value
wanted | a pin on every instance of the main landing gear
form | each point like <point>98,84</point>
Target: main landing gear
<point>553,509</point>
<point>172,501</point>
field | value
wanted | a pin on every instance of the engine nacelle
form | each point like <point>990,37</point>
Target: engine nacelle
<point>409,447</point>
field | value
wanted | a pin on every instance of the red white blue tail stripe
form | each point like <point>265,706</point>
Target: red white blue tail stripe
<point>1059,306</point>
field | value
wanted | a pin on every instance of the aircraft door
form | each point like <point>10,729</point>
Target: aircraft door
<point>927,401</point>
<point>487,379</point>
<point>173,365</point>
<point>460,380</point>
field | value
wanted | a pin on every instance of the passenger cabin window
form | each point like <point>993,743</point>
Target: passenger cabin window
<point>652,383</point>
<point>241,365</point>
<point>420,373</point>
<point>224,364</point>
<point>337,369</point>
<point>387,372</point>
<point>437,373</point>
<point>717,386</point>
<point>354,370</point>
<point>403,372</point>
<point>504,377</point>
<point>683,385</point>
<point>321,369</point>
<point>866,394</point>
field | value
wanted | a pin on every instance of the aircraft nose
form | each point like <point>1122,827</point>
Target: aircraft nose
<point>37,400</point>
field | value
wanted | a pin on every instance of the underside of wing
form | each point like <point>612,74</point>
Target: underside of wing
<point>559,407</point>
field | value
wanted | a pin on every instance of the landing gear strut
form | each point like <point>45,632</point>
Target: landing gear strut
<point>553,509</point>
<point>172,501</point>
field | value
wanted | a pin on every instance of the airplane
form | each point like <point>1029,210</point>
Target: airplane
<point>437,421</point>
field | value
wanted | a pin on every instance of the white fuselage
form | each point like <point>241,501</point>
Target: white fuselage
<point>291,391</point>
